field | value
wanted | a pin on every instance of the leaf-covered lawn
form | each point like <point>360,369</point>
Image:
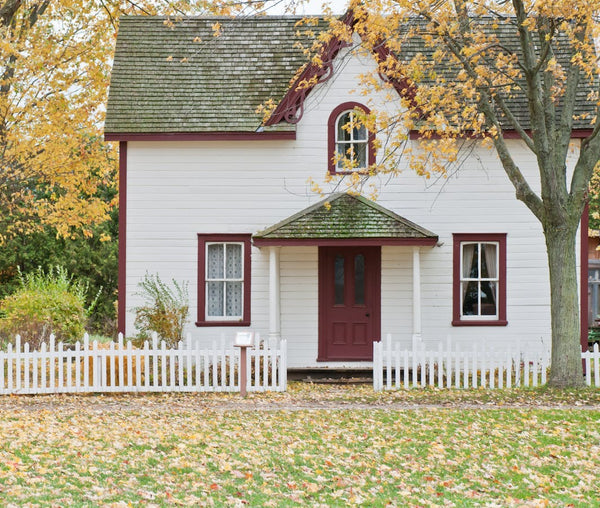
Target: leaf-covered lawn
<point>216,449</point>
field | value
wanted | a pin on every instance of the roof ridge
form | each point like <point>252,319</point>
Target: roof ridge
<point>297,215</point>
<point>393,215</point>
<point>232,18</point>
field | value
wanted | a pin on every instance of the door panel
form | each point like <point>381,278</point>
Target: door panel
<point>349,302</point>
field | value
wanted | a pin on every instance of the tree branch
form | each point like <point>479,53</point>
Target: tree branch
<point>8,11</point>
<point>533,90</point>
<point>523,191</point>
<point>565,126</point>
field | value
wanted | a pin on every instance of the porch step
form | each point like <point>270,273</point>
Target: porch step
<point>328,376</point>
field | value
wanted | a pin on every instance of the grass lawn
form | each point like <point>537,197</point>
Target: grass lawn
<point>345,445</point>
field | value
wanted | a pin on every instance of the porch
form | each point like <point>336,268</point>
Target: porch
<point>348,249</point>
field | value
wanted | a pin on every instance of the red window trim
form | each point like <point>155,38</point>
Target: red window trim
<point>458,238</point>
<point>225,237</point>
<point>331,127</point>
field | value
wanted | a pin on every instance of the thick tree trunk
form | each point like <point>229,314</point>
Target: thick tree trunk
<point>566,370</point>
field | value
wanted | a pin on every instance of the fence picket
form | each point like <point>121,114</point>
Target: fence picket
<point>9,358</point>
<point>456,357</point>
<point>34,382</point>
<point>596,366</point>
<point>3,386</point>
<point>283,365</point>
<point>18,362</point>
<point>266,364</point>
<point>587,367</point>
<point>26,367</point>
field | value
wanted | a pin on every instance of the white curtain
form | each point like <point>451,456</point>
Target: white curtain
<point>224,297</point>
<point>491,260</point>
<point>468,251</point>
<point>215,253</point>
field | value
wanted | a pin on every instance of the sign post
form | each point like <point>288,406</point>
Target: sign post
<point>243,340</point>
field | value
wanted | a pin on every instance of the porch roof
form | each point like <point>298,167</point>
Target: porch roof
<point>345,219</point>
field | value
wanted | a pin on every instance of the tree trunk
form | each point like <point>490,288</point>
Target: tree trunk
<point>566,370</point>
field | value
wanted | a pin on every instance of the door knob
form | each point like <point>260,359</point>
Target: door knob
<point>367,314</point>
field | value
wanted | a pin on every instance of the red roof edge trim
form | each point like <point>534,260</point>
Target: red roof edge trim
<point>403,86</point>
<point>335,242</point>
<point>198,136</point>
<point>291,108</point>
<point>506,134</point>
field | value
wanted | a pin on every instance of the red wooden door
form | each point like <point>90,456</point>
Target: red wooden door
<point>349,302</point>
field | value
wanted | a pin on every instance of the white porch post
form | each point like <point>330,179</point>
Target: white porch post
<point>416,295</point>
<point>274,299</point>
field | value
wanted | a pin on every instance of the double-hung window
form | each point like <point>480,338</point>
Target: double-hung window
<point>224,280</point>
<point>351,142</point>
<point>479,296</point>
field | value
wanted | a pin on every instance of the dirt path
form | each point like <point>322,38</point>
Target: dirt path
<point>307,397</point>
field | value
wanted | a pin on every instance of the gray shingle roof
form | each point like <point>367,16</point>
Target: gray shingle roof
<point>347,217</point>
<point>508,39</point>
<point>162,81</point>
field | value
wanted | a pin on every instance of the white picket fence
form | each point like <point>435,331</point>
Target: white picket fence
<point>119,367</point>
<point>449,367</point>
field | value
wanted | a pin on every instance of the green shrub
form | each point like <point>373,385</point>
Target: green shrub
<point>45,303</point>
<point>165,309</point>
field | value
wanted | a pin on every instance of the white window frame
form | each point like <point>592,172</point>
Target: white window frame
<point>223,279</point>
<point>479,280</point>
<point>348,143</point>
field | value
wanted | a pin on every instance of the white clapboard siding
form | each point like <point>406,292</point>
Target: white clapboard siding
<point>119,367</point>
<point>451,367</point>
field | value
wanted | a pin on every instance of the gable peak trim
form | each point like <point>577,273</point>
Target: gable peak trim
<point>291,108</point>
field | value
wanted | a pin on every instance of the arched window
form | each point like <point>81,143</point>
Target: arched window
<point>350,144</point>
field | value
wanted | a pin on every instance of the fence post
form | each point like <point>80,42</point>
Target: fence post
<point>2,384</point>
<point>377,369</point>
<point>243,371</point>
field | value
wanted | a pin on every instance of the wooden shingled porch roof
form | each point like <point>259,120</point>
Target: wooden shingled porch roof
<point>345,219</point>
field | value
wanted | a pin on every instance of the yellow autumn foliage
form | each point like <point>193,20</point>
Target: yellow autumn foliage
<point>55,58</point>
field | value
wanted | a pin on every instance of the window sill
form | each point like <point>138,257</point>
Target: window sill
<point>479,322</point>
<point>222,323</point>
<point>363,171</point>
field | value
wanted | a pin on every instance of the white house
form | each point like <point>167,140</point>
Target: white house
<point>211,196</point>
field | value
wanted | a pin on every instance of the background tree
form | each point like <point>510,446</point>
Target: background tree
<point>58,179</point>
<point>594,199</point>
<point>463,85</point>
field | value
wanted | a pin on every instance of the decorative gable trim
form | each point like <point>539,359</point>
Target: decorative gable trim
<point>291,108</point>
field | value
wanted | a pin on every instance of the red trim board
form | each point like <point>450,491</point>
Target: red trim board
<point>200,136</point>
<point>122,277</point>
<point>457,239</point>
<point>203,238</point>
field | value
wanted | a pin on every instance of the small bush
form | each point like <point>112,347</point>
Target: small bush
<point>165,311</point>
<point>45,303</point>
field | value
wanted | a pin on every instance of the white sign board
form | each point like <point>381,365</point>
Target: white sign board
<point>244,339</point>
